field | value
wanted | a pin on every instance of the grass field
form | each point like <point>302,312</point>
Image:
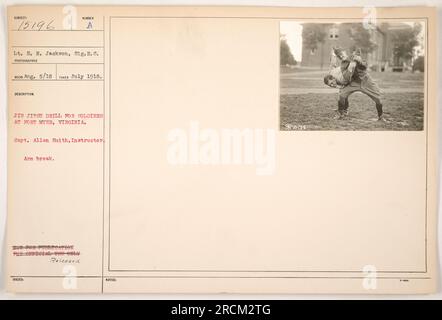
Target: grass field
<point>307,104</point>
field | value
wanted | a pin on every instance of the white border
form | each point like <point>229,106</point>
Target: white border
<point>278,3</point>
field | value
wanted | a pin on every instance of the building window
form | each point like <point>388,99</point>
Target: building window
<point>334,33</point>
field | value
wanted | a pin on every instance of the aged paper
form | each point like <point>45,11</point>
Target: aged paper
<point>221,149</point>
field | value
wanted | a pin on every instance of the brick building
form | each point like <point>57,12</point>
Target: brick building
<point>381,58</point>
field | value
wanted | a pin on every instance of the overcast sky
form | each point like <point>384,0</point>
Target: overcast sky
<point>293,33</point>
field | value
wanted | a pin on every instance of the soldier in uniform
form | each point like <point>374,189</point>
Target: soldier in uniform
<point>350,75</point>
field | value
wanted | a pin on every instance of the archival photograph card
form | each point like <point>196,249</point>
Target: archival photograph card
<point>221,149</point>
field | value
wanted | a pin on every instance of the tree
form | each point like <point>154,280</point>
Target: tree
<point>419,64</point>
<point>312,35</point>
<point>405,40</point>
<point>362,39</point>
<point>286,56</point>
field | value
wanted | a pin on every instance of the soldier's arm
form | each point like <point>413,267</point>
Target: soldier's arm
<point>347,73</point>
<point>334,61</point>
<point>361,62</point>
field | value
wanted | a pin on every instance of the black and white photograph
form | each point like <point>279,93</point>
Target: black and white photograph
<point>352,75</point>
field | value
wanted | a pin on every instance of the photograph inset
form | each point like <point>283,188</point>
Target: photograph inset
<point>352,76</point>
